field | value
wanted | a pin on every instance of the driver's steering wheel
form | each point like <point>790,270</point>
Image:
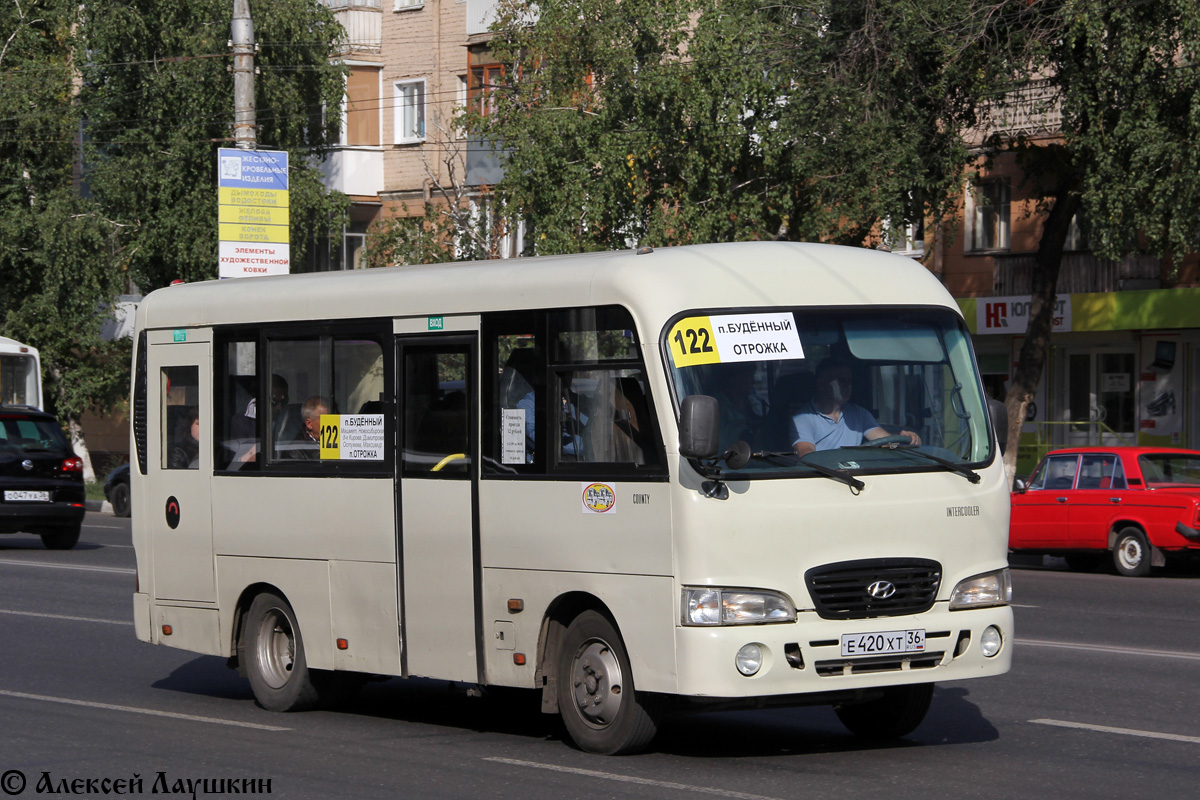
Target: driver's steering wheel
<point>884,441</point>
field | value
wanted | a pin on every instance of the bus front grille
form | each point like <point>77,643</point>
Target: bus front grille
<point>839,667</point>
<point>874,587</point>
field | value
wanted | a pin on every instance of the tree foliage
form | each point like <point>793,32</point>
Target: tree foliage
<point>56,267</point>
<point>708,120</point>
<point>159,102</point>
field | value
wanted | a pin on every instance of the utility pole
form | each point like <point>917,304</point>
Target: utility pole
<point>245,133</point>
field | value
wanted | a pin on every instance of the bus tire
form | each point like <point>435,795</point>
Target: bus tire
<point>600,707</point>
<point>62,538</point>
<point>274,655</point>
<point>897,713</point>
<point>1131,555</point>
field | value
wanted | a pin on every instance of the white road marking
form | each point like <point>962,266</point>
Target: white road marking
<point>135,710</point>
<point>1174,737</point>
<point>64,616</point>
<point>611,776</point>
<point>1019,605</point>
<point>14,562</point>
<point>1100,648</point>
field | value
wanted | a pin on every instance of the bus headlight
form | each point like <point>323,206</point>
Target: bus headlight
<point>981,591</point>
<point>708,606</point>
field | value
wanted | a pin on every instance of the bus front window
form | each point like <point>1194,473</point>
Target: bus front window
<point>857,390</point>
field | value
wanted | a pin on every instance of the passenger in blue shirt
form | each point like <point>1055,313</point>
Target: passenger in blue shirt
<point>830,420</point>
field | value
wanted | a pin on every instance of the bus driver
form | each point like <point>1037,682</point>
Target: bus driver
<point>831,420</point>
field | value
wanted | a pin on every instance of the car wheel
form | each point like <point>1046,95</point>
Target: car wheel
<point>600,707</point>
<point>274,656</point>
<point>897,713</point>
<point>62,538</point>
<point>1131,556</point>
<point>120,499</point>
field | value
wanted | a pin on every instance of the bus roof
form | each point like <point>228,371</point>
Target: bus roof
<point>13,346</point>
<point>653,285</point>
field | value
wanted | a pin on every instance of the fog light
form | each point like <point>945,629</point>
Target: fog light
<point>990,641</point>
<point>749,659</point>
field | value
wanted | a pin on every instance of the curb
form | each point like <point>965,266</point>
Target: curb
<point>102,506</point>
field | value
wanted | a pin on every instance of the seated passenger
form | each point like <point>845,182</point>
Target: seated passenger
<point>831,420</point>
<point>307,444</point>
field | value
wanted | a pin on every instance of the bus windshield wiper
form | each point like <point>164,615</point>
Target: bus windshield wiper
<point>789,458</point>
<point>912,450</point>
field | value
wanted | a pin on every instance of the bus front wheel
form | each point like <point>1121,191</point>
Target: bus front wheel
<point>600,708</point>
<point>896,713</point>
<point>274,656</point>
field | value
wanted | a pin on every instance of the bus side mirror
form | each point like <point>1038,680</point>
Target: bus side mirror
<point>699,426</point>
<point>999,414</point>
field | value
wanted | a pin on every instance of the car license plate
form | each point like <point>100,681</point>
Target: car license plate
<point>27,497</point>
<point>883,643</point>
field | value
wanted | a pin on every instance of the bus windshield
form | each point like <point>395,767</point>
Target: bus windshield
<point>873,390</point>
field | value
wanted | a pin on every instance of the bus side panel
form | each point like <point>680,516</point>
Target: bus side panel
<point>544,525</point>
<point>304,584</point>
<point>644,608</point>
<point>314,518</point>
<point>194,629</point>
<point>363,600</point>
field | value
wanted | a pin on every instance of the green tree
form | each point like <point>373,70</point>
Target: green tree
<point>159,103</point>
<point>56,247</point>
<point>707,120</point>
<point>1127,79</point>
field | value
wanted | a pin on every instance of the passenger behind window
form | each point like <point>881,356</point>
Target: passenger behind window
<point>306,446</point>
<point>186,452</point>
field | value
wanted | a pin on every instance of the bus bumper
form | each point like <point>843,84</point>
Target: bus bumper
<point>805,656</point>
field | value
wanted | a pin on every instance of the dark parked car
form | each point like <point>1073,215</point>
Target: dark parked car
<point>41,478</point>
<point>116,490</point>
<point>1137,503</point>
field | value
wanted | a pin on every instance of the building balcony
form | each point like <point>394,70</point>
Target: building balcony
<point>1080,273</point>
<point>356,171</point>
<point>363,21</point>
<point>1033,109</point>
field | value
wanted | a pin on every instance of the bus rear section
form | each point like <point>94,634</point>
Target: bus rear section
<point>589,477</point>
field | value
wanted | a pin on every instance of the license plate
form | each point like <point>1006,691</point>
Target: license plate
<point>883,643</point>
<point>27,497</point>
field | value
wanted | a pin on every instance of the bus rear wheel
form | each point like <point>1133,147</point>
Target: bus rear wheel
<point>274,656</point>
<point>600,708</point>
<point>897,713</point>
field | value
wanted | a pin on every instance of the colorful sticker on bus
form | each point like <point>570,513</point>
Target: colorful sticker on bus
<point>734,337</point>
<point>352,437</point>
<point>599,498</point>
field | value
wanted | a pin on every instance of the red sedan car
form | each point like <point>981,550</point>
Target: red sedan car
<point>1138,503</point>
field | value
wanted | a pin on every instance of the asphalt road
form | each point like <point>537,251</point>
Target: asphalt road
<point>1102,701</point>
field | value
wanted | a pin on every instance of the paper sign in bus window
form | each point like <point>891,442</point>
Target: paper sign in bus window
<point>734,337</point>
<point>512,436</point>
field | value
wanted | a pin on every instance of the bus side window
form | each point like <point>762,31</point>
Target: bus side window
<point>179,417</point>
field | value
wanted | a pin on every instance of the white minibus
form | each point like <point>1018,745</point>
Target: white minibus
<point>20,374</point>
<point>640,483</point>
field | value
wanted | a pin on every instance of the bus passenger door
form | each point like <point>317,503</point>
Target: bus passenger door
<point>438,534</point>
<point>177,503</point>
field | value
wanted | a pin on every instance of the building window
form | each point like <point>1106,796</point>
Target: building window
<point>485,80</point>
<point>1077,238</point>
<point>410,112</point>
<point>407,5</point>
<point>991,216</point>
<point>908,240</point>
<point>460,105</point>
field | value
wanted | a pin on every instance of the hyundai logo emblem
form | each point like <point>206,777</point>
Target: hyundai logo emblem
<point>27,465</point>
<point>881,590</point>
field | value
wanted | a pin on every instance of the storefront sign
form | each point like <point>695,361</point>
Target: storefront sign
<point>1011,314</point>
